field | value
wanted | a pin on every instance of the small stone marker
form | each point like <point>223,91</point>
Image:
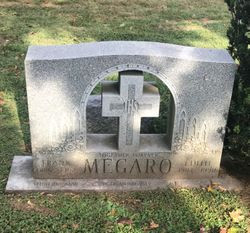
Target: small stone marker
<point>65,157</point>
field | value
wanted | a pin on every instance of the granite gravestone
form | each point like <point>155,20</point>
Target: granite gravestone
<point>65,157</point>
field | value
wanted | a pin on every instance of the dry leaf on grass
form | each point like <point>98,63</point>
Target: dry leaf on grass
<point>210,188</point>
<point>30,204</point>
<point>218,186</point>
<point>76,196</point>
<point>236,215</point>
<point>49,195</point>
<point>234,230</point>
<point>221,188</point>
<point>112,212</point>
<point>75,226</point>
<point>202,229</point>
<point>223,230</point>
<point>124,220</point>
<point>214,186</point>
<point>153,225</point>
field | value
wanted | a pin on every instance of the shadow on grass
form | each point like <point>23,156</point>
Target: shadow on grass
<point>10,137</point>
<point>152,211</point>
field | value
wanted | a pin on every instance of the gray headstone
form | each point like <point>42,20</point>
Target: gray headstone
<point>60,80</point>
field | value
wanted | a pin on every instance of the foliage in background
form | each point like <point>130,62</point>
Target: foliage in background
<point>237,137</point>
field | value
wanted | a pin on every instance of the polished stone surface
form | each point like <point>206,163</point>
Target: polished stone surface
<point>60,80</point>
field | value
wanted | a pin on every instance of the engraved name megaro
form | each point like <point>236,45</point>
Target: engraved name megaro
<point>111,165</point>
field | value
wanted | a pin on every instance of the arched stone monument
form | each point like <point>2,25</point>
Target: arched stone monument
<point>64,157</point>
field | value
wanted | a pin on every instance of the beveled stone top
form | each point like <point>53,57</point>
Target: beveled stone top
<point>127,48</point>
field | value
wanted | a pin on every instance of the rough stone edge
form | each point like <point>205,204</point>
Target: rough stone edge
<point>20,180</point>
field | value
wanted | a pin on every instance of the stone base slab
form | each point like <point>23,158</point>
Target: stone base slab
<point>21,180</point>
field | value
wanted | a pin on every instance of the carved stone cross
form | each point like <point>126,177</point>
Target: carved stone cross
<point>130,99</point>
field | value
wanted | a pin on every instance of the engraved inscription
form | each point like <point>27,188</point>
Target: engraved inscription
<point>108,165</point>
<point>202,166</point>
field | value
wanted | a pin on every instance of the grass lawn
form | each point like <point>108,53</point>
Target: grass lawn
<point>201,23</point>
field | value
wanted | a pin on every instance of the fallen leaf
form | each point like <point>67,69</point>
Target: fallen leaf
<point>224,206</point>
<point>210,188</point>
<point>223,230</point>
<point>202,229</point>
<point>122,25</point>
<point>75,226</point>
<point>30,204</point>
<point>112,212</point>
<point>153,225</point>
<point>76,196</point>
<point>233,230</point>
<point>218,186</point>
<point>236,215</point>
<point>124,220</point>
<point>64,226</point>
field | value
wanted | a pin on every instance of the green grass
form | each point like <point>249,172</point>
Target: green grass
<point>171,211</point>
<point>22,23</point>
